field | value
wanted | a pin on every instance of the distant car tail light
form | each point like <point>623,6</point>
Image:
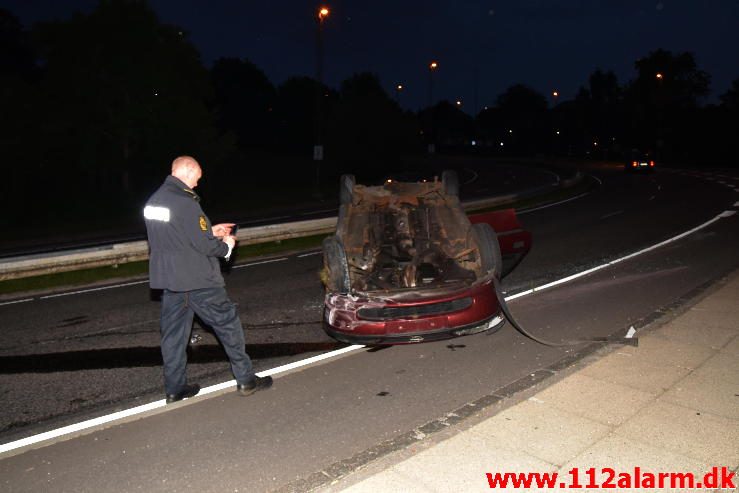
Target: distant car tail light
<point>634,163</point>
<point>651,163</point>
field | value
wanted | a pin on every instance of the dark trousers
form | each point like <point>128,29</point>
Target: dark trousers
<point>215,309</point>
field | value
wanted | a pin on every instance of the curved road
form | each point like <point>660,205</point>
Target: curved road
<point>80,355</point>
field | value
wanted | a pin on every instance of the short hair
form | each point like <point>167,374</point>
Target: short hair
<point>184,163</point>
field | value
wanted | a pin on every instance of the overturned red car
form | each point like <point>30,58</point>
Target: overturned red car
<point>408,265</point>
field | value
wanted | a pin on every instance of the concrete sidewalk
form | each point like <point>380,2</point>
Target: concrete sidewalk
<point>670,405</point>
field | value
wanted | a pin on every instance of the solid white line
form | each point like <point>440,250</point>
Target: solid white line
<point>92,290</point>
<point>612,262</point>
<point>280,369</point>
<point>259,263</point>
<point>66,430</point>
<point>90,423</point>
<point>16,301</point>
<point>309,254</point>
<point>552,205</point>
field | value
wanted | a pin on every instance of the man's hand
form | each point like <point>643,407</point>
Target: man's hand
<point>223,229</point>
<point>229,240</point>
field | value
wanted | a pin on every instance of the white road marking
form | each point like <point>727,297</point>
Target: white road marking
<point>316,212</point>
<point>552,205</point>
<point>16,301</point>
<point>109,418</point>
<point>259,263</point>
<point>309,254</point>
<point>611,214</point>
<point>630,333</point>
<point>92,290</point>
<point>612,262</point>
<point>471,180</point>
<point>652,197</point>
<point>736,204</point>
<point>280,369</point>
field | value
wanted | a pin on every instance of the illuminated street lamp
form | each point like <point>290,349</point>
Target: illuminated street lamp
<point>432,68</point>
<point>398,89</point>
<point>659,76</point>
<point>459,103</point>
<point>323,13</point>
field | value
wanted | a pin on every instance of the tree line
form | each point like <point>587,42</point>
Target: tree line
<point>97,105</point>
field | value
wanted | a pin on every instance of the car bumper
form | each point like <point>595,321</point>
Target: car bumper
<point>343,319</point>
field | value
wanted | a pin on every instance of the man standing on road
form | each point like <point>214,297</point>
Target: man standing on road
<point>183,262</point>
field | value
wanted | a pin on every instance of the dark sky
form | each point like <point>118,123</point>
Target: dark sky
<point>546,44</point>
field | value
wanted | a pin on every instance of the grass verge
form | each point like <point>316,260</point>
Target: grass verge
<point>141,269</point>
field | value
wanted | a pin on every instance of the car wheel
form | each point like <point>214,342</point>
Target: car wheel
<point>346,189</point>
<point>336,265</point>
<point>450,180</point>
<point>483,236</point>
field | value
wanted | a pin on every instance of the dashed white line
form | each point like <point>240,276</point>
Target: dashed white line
<point>259,263</point>
<point>552,205</point>
<point>317,212</point>
<point>309,254</point>
<point>16,301</point>
<point>611,215</point>
<point>92,290</point>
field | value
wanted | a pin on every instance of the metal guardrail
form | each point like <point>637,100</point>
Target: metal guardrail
<point>122,253</point>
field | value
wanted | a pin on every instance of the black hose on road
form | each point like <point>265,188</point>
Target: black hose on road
<point>630,341</point>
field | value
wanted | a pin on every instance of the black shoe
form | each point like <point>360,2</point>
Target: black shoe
<point>259,383</point>
<point>189,391</point>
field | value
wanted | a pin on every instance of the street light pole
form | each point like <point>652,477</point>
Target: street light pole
<point>398,90</point>
<point>432,144</point>
<point>318,146</point>
<point>432,67</point>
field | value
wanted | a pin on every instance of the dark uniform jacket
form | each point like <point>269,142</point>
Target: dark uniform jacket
<point>182,249</point>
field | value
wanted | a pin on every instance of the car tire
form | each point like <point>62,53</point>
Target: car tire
<point>450,181</point>
<point>336,265</point>
<point>346,189</point>
<point>483,236</point>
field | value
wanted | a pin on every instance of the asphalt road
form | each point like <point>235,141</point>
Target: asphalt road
<point>85,354</point>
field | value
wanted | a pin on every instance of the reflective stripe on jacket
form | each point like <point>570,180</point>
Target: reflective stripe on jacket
<point>183,253</point>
